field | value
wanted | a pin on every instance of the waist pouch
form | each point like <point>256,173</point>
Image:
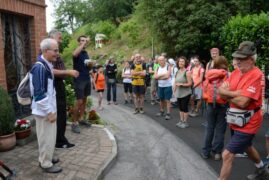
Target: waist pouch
<point>111,81</point>
<point>239,117</point>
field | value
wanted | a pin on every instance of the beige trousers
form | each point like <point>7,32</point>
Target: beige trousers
<point>46,137</point>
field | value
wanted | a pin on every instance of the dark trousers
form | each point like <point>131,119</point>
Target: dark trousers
<point>215,130</point>
<point>112,86</point>
<point>61,112</point>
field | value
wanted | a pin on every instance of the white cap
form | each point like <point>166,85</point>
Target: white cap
<point>171,61</point>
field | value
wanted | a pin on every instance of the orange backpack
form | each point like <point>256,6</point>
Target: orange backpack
<point>214,79</point>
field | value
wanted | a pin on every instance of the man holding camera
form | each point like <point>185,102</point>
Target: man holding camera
<point>243,91</point>
<point>82,83</point>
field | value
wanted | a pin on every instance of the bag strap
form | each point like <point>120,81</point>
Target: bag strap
<point>97,74</point>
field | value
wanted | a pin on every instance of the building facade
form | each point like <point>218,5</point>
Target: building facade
<point>22,27</point>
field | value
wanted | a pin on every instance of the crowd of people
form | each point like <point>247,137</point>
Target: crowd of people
<point>233,97</point>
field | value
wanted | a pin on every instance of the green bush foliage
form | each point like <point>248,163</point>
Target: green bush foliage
<point>104,27</point>
<point>252,28</point>
<point>70,93</point>
<point>7,114</point>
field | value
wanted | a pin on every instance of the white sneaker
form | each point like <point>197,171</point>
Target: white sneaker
<point>241,155</point>
<point>179,124</point>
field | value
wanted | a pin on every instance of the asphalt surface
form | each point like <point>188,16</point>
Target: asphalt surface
<point>194,136</point>
<point>148,151</point>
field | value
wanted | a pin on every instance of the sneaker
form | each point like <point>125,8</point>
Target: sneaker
<point>179,124</point>
<point>125,102</point>
<point>161,113</point>
<point>85,123</point>
<point>152,102</point>
<point>204,156</point>
<point>217,157</point>
<point>108,103</point>
<point>75,128</point>
<point>266,160</point>
<point>258,174</point>
<point>136,111</point>
<point>241,155</point>
<point>115,103</point>
<point>184,125</point>
<point>65,146</point>
<point>194,114</point>
<point>167,116</point>
<point>52,169</point>
<point>55,160</point>
<point>141,111</point>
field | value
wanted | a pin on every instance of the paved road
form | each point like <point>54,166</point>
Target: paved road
<point>193,137</point>
<point>148,151</point>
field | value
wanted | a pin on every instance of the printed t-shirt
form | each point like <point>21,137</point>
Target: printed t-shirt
<point>250,85</point>
<point>138,80</point>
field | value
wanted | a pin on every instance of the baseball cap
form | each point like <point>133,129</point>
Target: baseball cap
<point>245,49</point>
<point>171,61</point>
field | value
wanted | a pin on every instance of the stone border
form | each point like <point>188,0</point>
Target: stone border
<point>108,164</point>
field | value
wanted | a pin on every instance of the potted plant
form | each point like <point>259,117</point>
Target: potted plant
<point>22,128</point>
<point>7,119</point>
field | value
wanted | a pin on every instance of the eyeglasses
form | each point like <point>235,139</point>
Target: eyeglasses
<point>55,50</point>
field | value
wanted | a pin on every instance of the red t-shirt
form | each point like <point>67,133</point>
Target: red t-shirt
<point>250,85</point>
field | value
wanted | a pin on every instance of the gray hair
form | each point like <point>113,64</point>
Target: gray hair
<point>254,57</point>
<point>46,44</point>
<point>53,33</point>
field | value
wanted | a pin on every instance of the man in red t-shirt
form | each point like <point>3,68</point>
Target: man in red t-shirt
<point>243,91</point>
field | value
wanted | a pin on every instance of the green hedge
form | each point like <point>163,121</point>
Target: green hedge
<point>251,27</point>
<point>7,114</point>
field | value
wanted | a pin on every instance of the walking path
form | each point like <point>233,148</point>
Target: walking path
<point>146,150</point>
<point>94,151</point>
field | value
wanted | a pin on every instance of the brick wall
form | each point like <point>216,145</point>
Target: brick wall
<point>36,9</point>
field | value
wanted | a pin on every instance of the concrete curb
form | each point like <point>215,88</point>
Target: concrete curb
<point>108,164</point>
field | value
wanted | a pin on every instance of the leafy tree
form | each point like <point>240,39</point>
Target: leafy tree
<point>252,28</point>
<point>112,10</point>
<point>187,27</point>
<point>71,14</point>
<point>65,40</point>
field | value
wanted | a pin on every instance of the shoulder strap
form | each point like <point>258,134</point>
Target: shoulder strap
<point>97,74</point>
<point>41,64</point>
<point>185,74</point>
<point>209,64</point>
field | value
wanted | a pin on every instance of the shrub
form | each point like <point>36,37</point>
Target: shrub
<point>104,27</point>
<point>7,114</point>
<point>252,28</point>
<point>70,94</point>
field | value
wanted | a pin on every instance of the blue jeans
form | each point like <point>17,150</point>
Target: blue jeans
<point>112,86</point>
<point>215,129</point>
